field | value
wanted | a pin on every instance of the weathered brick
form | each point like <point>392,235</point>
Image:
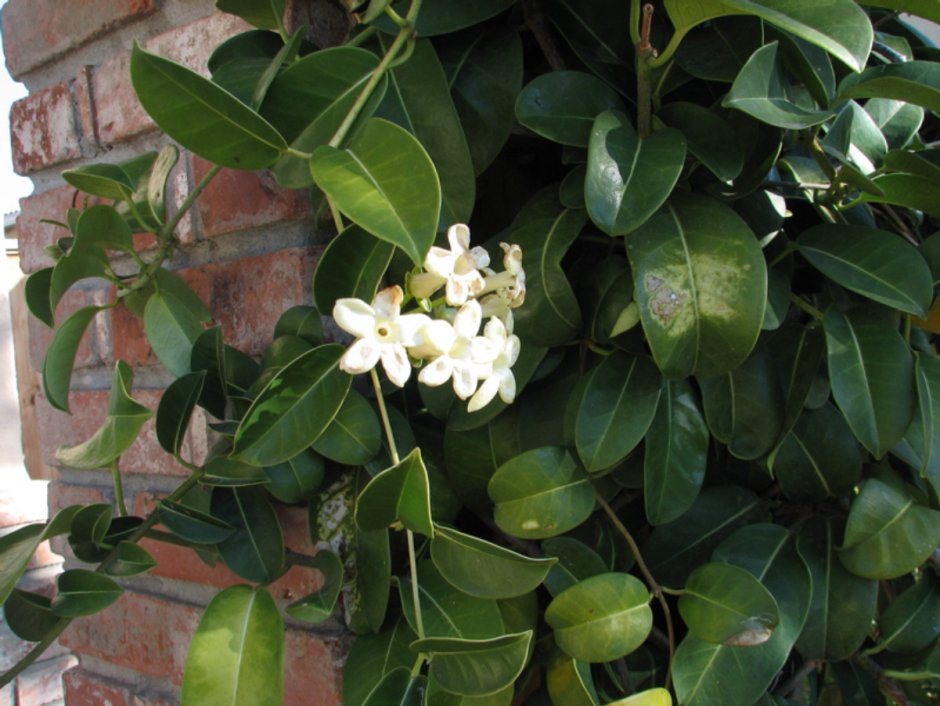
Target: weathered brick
<point>44,129</point>
<point>33,234</point>
<point>152,700</point>
<point>42,683</point>
<point>6,695</point>
<point>313,667</point>
<point>83,688</point>
<point>37,31</point>
<point>237,200</point>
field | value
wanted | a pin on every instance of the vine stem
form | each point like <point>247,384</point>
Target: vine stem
<point>645,53</point>
<point>118,484</point>
<point>807,307</point>
<point>63,623</point>
<point>650,581</point>
<point>393,452</point>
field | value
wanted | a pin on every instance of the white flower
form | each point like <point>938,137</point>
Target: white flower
<point>382,333</point>
<point>468,356</point>
<point>500,378</point>
<point>508,285</point>
<point>458,268</point>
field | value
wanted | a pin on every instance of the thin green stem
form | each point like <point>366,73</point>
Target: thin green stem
<point>783,254</point>
<point>361,38</point>
<point>383,413</point>
<point>654,587</point>
<point>635,21</point>
<point>645,53</point>
<point>297,153</point>
<point>396,18</point>
<point>805,306</point>
<point>907,329</point>
<point>118,484</point>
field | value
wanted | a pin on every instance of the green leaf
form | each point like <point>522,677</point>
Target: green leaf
<point>602,618</point>
<point>484,569</point>
<point>60,356</point>
<point>372,657</point>
<point>90,262</point>
<point>18,547</point>
<point>898,120</point>
<point>484,72</point>
<point>562,106</point>
<point>159,179</point>
<point>266,14</point>
<point>102,226</point>
<point>226,472</point>
<point>297,479</point>
<point>569,681</point>
<point>717,50</point>
<point>29,615</point>
<point>436,695</point>
<point>761,91</point>
<point>293,409</point>
<point>875,263</point>
<point>908,190</point>
<point>301,321</point>
<point>36,291</point>
<point>191,524</point>
<point>909,624</point>
<point>701,286</point>
<point>236,657</point>
<point>576,562</point>
<point>629,177</point>
<point>888,533</point>
<point>818,458</point>
<point>319,606</point>
<point>398,688</point>
<point>384,181</point>
<point>616,410</point>
<point>201,116</point>
<point>551,314</point>
<point>675,454</point>
<point>373,575</point>
<point>131,559</point>
<point>120,429</point>
<point>108,181</point>
<point>872,376</point>
<point>854,138</point>
<point>648,697</point>
<point>476,667</point>
<point>923,436</point>
<point>916,82</point>
<point>354,436</point>
<point>419,101</point>
<point>726,604</point>
<point>175,409</point>
<point>172,328</point>
<point>398,494</point>
<point>255,550</point>
<point>443,17</point>
<point>706,674</point>
<point>797,352</point>
<point>351,266</point>
<point>744,408</point>
<point>710,138</point>
<point>842,605</point>
<point>541,493</point>
<point>82,592</point>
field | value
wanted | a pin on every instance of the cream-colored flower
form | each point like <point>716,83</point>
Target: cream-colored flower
<point>500,378</point>
<point>468,356</point>
<point>457,269</point>
<point>508,285</point>
<point>382,331</point>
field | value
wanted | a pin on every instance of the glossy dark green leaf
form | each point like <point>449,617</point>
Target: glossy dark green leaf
<point>706,674</point>
<point>443,17</point>
<point>293,409</point>
<point>484,569</point>
<point>843,604</point>
<point>745,408</point>
<point>898,120</point>
<point>371,657</point>
<point>224,471</point>
<point>108,181</point>
<point>875,263</point>
<point>576,562</point>
<point>911,622</point>
<point>172,328</point>
<point>701,286</point>
<point>602,618</point>
<point>484,72</point>
<point>102,226</point>
<point>674,549</point>
<point>819,457</point>
<point>90,262</point>
<point>569,681</point>
<point>872,376</point>
<point>297,479</point>
<point>354,436</point>
<point>175,409</point>
<point>717,50</point>
<point>301,321</point>
<point>419,101</point>
<point>676,450</point>
<point>710,138</point>
<point>36,291</point>
<point>191,524</point>
<point>797,352</point>
<point>201,116</point>
<point>551,314</point>
<point>616,409</point>
<point>319,606</point>
<point>351,266</point>
<point>854,138</point>
<point>18,547</point>
<point>472,456</point>
<point>475,667</point>
<point>916,82</point>
<point>90,524</point>
<point>760,90</point>
<point>29,615</point>
<point>236,657</point>
<point>266,14</point>
<point>60,356</point>
<point>888,533</point>
<point>629,177</point>
<point>541,493</point>
<point>562,106</point>
<point>131,559</point>
<point>255,550</point>
<point>907,190</point>
<point>436,694</point>
<point>120,428</point>
<point>398,688</point>
<point>923,436</point>
<point>726,604</point>
<point>373,575</point>
<point>594,31</point>
<point>384,181</point>
<point>83,592</point>
<point>398,494</point>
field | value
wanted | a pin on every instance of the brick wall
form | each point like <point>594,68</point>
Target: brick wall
<point>249,251</point>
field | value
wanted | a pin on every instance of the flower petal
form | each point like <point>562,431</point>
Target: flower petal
<point>437,372</point>
<point>396,364</point>
<point>511,351</point>
<point>485,394</point>
<point>409,328</point>
<point>458,235</point>
<point>437,337</point>
<point>468,319</point>
<point>457,292</point>
<point>480,257</point>
<point>361,357</point>
<point>465,380</point>
<point>424,284</point>
<point>354,316</point>
<point>507,385</point>
<point>440,261</point>
<point>388,301</point>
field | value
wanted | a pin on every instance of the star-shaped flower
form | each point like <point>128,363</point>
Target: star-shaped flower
<point>458,269</point>
<point>500,378</point>
<point>468,356</point>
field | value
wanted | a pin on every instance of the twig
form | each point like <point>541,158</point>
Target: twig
<point>535,21</point>
<point>793,683</point>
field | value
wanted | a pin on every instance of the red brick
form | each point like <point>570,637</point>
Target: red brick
<point>93,349</point>
<point>37,31</point>
<point>313,669</point>
<point>237,200</point>
<point>33,234</point>
<point>128,339</point>
<point>44,129</point>
<point>150,700</point>
<point>42,683</point>
<point>62,495</point>
<point>86,689</point>
<point>83,101</point>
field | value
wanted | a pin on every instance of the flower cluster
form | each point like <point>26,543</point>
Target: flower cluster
<point>448,346</point>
